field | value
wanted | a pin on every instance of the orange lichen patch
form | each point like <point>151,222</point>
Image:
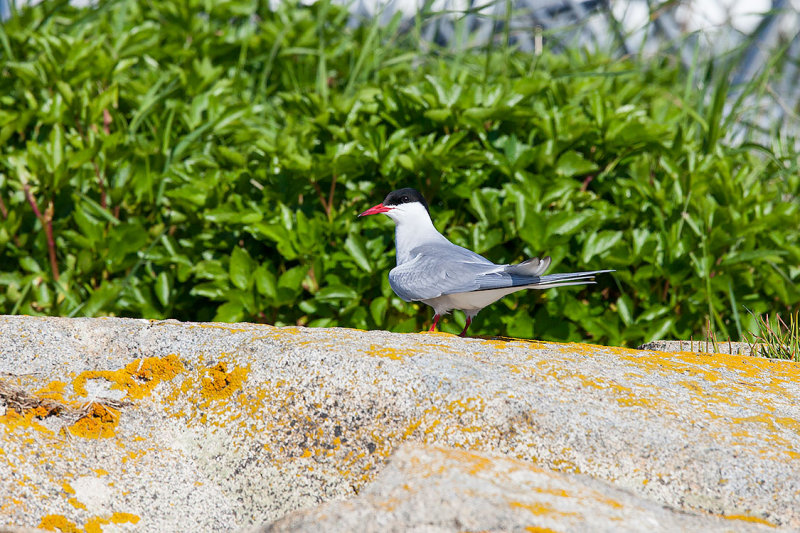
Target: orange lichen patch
<point>138,378</point>
<point>99,422</point>
<point>218,383</point>
<point>124,518</point>
<point>94,525</point>
<point>13,420</point>
<point>501,343</point>
<point>539,509</point>
<point>391,353</point>
<point>554,492</point>
<point>774,425</point>
<point>56,522</point>
<point>537,529</point>
<point>131,456</point>
<point>474,462</point>
<point>564,465</point>
<point>66,487</point>
<point>771,421</point>
<point>608,501</point>
<point>746,518</point>
<point>11,504</point>
<point>630,402</point>
<point>218,326</point>
<point>76,503</point>
<point>100,471</point>
<point>53,390</point>
<point>708,366</point>
<point>589,383</point>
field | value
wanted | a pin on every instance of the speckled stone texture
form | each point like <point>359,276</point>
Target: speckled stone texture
<point>168,426</point>
<point>425,488</point>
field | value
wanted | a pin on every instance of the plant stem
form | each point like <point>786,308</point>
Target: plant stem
<point>47,222</point>
<point>51,243</point>
<point>103,201</point>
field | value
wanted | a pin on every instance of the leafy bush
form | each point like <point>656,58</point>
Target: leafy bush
<point>206,161</point>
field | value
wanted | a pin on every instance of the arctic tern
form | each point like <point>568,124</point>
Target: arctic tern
<point>432,270</point>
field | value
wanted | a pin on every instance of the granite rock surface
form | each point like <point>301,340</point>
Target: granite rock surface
<point>124,424</point>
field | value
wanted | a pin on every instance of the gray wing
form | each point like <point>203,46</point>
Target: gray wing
<point>437,270</point>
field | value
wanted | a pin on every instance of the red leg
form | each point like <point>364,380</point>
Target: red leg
<point>435,321</point>
<point>464,333</point>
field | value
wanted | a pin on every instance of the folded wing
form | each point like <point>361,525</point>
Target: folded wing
<point>434,271</point>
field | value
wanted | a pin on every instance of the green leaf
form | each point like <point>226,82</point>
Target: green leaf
<point>337,292</point>
<point>377,309</point>
<point>100,298</point>
<point>751,255</point>
<point>265,282</point>
<point>599,243</point>
<point>163,288</point>
<point>241,266</point>
<point>230,312</point>
<point>569,222</point>
<point>29,264</point>
<point>356,246</point>
<point>625,309</point>
<point>571,163</point>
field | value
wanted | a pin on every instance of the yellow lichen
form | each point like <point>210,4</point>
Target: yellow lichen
<point>13,420</point>
<point>56,522</point>
<point>76,503</point>
<point>99,423</point>
<point>554,492</point>
<point>391,353</point>
<point>218,383</point>
<point>539,509</point>
<point>138,378</point>
<point>95,524</point>
<point>53,390</point>
<point>746,518</point>
<point>608,501</point>
<point>123,518</point>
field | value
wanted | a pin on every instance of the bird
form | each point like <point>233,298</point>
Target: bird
<point>432,270</point>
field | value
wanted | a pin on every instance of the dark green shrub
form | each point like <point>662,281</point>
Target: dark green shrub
<point>208,165</point>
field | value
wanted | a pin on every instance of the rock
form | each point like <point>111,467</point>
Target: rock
<point>427,488</point>
<point>705,346</point>
<point>168,426</point>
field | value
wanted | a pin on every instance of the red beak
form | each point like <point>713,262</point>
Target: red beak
<point>380,208</point>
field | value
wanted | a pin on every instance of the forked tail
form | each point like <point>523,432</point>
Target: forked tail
<point>573,278</point>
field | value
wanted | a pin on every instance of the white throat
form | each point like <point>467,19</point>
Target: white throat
<point>413,227</point>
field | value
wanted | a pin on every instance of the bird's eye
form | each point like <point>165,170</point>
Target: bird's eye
<point>405,199</point>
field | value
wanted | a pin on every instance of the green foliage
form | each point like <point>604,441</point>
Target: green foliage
<point>206,160</point>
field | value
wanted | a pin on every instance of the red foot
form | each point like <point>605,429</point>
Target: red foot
<point>464,333</point>
<point>435,321</point>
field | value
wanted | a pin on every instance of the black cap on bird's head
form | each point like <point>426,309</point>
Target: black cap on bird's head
<point>397,198</point>
<point>405,196</point>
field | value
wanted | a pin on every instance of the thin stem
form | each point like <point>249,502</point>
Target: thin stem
<point>32,201</point>
<point>321,195</point>
<point>103,202</point>
<point>51,243</point>
<point>330,196</point>
<point>47,222</point>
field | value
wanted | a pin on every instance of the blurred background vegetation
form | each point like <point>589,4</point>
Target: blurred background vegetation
<point>206,161</point>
